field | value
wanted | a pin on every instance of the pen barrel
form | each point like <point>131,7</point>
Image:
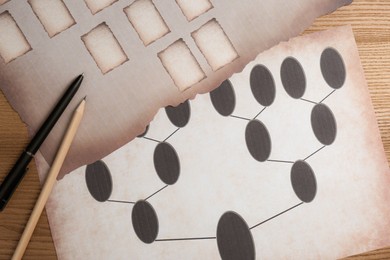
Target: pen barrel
<point>53,117</point>
<point>13,179</point>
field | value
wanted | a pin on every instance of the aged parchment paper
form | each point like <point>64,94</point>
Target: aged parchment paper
<point>337,206</point>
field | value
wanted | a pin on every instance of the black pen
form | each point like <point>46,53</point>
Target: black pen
<point>18,171</point>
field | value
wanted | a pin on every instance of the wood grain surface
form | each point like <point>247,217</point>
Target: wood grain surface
<point>370,20</point>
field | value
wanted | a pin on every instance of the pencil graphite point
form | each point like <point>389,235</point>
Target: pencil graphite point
<point>85,98</point>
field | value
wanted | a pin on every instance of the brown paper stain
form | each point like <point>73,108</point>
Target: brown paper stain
<point>104,48</point>
<point>54,15</point>
<point>214,44</point>
<point>15,44</point>
<point>186,71</point>
<point>146,20</point>
<point>97,5</point>
<point>194,9</point>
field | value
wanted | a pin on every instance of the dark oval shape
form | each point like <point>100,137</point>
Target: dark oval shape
<point>262,85</point>
<point>145,221</point>
<point>293,77</point>
<point>332,68</point>
<point>223,98</point>
<point>98,179</point>
<point>144,133</point>
<point>166,163</point>
<point>180,115</point>
<point>323,124</point>
<point>303,181</point>
<point>258,140</point>
<point>234,238</point>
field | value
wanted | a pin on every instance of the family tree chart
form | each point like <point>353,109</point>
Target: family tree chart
<point>233,234</point>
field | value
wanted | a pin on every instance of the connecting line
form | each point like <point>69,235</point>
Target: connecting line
<point>156,192</point>
<point>259,113</point>
<point>181,239</point>
<point>327,96</point>
<point>276,215</point>
<point>171,134</point>
<point>314,153</point>
<point>151,139</point>
<point>121,201</point>
<point>280,161</point>
<point>309,101</point>
<point>243,118</point>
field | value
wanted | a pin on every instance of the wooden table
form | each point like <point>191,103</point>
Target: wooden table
<point>370,20</point>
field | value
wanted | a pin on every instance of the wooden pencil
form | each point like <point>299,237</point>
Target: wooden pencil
<point>50,180</point>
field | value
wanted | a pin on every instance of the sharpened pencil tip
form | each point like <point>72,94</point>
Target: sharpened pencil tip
<point>85,98</point>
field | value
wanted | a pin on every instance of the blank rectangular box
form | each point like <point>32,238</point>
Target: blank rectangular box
<point>214,44</point>
<point>53,15</point>
<point>12,41</point>
<point>104,48</point>
<point>194,8</point>
<point>97,5</point>
<point>146,20</point>
<point>181,65</point>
